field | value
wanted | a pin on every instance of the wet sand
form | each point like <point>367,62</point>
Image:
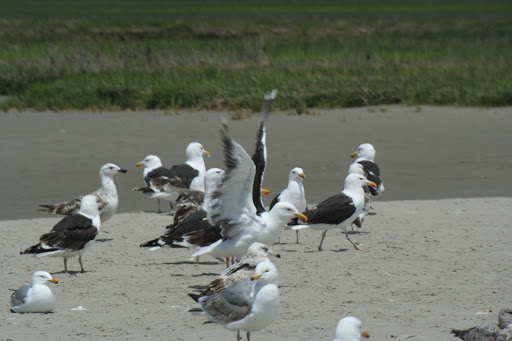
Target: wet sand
<point>424,153</point>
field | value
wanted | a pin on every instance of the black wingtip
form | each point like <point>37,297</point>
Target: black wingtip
<point>195,297</point>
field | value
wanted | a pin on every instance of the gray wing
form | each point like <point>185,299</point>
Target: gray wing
<point>232,201</point>
<point>18,297</point>
<point>232,304</point>
<point>485,332</point>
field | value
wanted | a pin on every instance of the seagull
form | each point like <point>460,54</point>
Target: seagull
<point>175,234</point>
<point>358,169</point>
<point>106,196</point>
<point>163,183</point>
<point>490,331</point>
<point>342,208</point>
<point>187,203</point>
<point>238,272</point>
<point>250,305</point>
<point>294,193</point>
<point>365,155</point>
<point>36,297</point>
<point>72,235</point>
<point>234,210</point>
<point>350,329</point>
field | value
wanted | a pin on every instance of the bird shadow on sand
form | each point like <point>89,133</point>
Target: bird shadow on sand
<point>198,287</point>
<point>103,240</point>
<point>191,262</point>
<point>358,232</point>
<point>206,274</point>
<point>340,250</point>
<point>73,273</point>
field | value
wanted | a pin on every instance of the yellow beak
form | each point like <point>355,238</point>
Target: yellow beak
<point>255,276</point>
<point>302,175</point>
<point>265,191</point>
<point>54,280</point>
<point>371,184</point>
<point>301,216</point>
<point>206,153</point>
<point>365,334</point>
<point>353,155</point>
<point>138,164</point>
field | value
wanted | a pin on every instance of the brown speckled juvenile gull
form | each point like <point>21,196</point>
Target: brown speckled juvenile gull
<point>106,196</point>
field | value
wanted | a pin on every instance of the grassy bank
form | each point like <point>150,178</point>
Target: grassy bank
<point>105,55</point>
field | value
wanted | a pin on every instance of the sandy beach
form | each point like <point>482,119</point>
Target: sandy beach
<point>439,242</point>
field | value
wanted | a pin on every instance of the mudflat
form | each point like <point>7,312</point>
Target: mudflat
<point>423,152</point>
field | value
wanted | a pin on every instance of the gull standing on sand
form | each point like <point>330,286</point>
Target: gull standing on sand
<point>350,329</point>
<point>294,193</point>
<point>72,235</point>
<point>249,305</point>
<point>342,208</point>
<point>238,272</point>
<point>106,196</point>
<point>176,234</point>
<point>365,155</point>
<point>210,233</point>
<point>163,183</point>
<point>357,168</point>
<point>35,297</point>
<point>234,210</point>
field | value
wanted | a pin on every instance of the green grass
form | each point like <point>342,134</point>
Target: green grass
<point>109,55</point>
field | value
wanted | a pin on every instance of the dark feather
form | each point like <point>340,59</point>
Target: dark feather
<point>71,233</point>
<point>259,156</point>
<point>333,210</point>
<point>187,203</point>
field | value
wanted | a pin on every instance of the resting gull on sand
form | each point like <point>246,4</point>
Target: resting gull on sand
<point>501,331</point>
<point>106,196</point>
<point>250,305</point>
<point>350,329</point>
<point>35,297</point>
<point>342,208</point>
<point>168,184</point>
<point>238,272</point>
<point>72,235</point>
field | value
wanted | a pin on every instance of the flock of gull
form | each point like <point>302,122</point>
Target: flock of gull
<point>219,213</point>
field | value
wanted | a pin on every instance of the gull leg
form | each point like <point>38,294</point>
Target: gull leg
<point>81,266</point>
<point>238,337</point>
<point>322,241</point>
<point>297,232</point>
<point>66,265</point>
<point>354,244</point>
<point>158,201</point>
<point>248,336</point>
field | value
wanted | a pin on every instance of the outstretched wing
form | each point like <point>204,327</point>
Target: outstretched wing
<point>260,154</point>
<point>232,204</point>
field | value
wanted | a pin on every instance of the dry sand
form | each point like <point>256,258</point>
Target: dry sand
<point>433,264</point>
